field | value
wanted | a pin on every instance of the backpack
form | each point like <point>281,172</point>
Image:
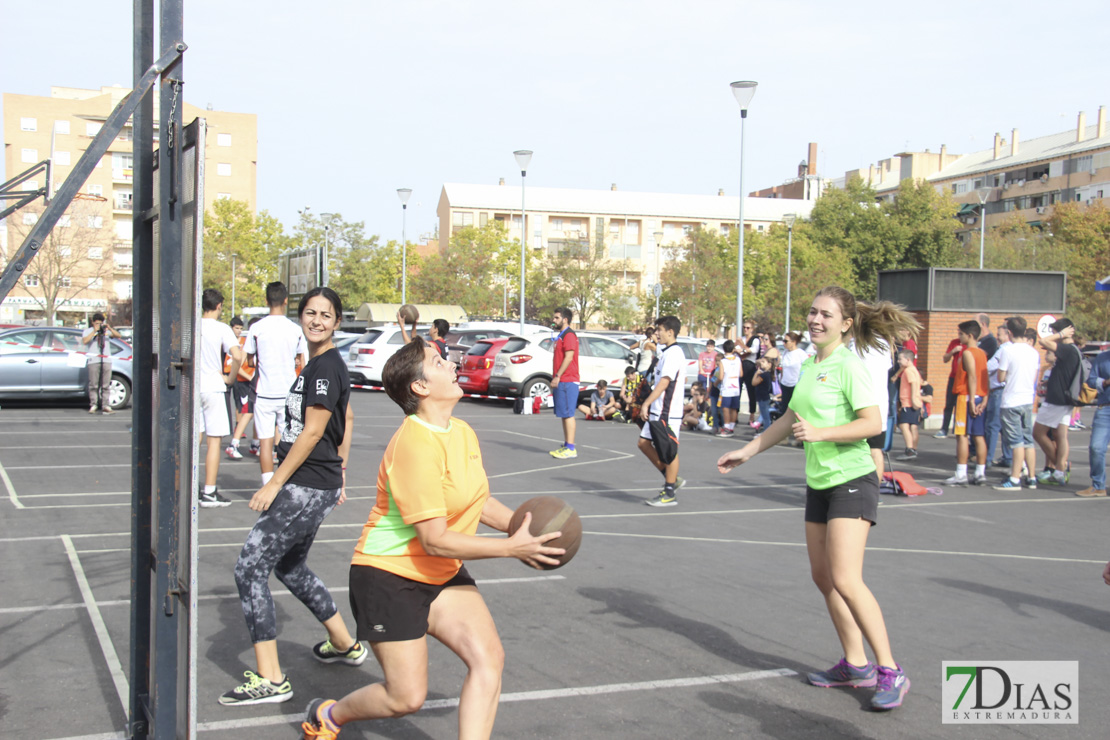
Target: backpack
<point>1079,393</point>
<point>901,484</point>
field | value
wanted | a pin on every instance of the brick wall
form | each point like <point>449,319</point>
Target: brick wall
<point>939,328</point>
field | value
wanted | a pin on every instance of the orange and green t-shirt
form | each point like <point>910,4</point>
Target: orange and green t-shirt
<point>427,472</point>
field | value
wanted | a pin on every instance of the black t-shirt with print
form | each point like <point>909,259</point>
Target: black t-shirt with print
<point>322,382</point>
<point>1059,383</point>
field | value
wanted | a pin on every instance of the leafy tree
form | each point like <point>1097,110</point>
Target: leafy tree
<point>371,273</point>
<point>699,280</point>
<point>471,271</point>
<point>581,277</point>
<point>256,241</point>
<point>1082,234</point>
<point>66,265</point>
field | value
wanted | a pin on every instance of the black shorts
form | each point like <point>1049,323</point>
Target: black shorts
<point>909,416</point>
<point>390,608</point>
<point>856,499</point>
<point>240,390</point>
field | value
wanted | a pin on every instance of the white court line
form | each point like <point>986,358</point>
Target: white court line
<point>119,678</point>
<point>64,467</point>
<point>875,549</point>
<point>11,489</point>
<point>275,592</point>
<point>540,695</point>
<point>64,447</point>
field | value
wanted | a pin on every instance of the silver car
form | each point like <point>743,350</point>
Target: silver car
<point>39,362</point>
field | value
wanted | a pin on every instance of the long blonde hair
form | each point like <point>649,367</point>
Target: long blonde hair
<point>872,323</point>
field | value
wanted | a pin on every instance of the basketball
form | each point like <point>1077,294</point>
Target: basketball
<point>409,314</point>
<point>550,514</point>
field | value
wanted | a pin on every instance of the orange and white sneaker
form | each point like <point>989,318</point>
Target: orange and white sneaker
<point>316,725</point>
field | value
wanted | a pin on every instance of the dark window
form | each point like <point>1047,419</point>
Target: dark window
<point>480,349</point>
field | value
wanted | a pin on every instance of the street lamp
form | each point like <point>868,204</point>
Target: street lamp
<point>788,219</point>
<point>658,287</point>
<point>523,157</point>
<point>982,194</point>
<point>403,194</point>
<point>327,257</point>
<point>233,256</point>
<point>743,92</point>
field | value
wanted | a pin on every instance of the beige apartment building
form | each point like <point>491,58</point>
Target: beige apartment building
<point>1024,178</point>
<point>89,254</point>
<point>637,227</point>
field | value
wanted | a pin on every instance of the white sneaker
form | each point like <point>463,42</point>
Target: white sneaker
<point>233,452</point>
<point>956,480</point>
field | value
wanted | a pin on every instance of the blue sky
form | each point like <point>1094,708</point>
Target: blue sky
<point>357,99</point>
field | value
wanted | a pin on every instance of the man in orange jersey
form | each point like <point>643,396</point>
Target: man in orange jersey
<point>971,385</point>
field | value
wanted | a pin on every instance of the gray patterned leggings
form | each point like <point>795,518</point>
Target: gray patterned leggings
<point>279,542</point>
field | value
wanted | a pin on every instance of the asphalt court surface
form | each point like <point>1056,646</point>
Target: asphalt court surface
<point>693,621</point>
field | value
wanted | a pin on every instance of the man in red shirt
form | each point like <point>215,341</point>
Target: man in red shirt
<point>953,355</point>
<point>564,380</point>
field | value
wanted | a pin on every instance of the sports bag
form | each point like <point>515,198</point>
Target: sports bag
<point>1079,393</point>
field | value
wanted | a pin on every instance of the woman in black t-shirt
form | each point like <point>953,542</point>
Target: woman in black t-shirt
<point>307,485</point>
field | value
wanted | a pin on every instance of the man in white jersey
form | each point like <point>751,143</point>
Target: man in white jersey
<point>279,350</point>
<point>730,376</point>
<point>879,361</point>
<point>216,339</point>
<point>1019,370</point>
<point>665,404</point>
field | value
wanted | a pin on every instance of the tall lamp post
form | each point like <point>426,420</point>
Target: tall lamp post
<point>982,194</point>
<point>233,257</point>
<point>743,92</point>
<point>788,219</point>
<point>403,194</point>
<point>326,277</point>
<point>523,157</point>
<point>658,287</point>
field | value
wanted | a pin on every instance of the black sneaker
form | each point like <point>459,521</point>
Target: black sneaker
<point>325,652</point>
<point>213,500</point>
<point>258,690</point>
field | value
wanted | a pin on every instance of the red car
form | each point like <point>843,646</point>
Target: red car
<point>477,363</point>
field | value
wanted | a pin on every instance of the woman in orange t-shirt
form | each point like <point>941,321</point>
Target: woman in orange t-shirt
<point>407,576</point>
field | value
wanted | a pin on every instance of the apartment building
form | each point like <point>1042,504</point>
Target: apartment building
<point>90,249</point>
<point>637,227</point>
<point>1022,178</point>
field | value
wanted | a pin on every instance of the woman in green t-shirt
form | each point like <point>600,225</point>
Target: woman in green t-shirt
<point>833,412</point>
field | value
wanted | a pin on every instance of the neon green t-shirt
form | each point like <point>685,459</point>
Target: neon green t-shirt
<point>828,394</point>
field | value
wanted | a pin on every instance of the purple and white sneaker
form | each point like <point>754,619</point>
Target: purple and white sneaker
<point>845,674</point>
<point>893,685</point>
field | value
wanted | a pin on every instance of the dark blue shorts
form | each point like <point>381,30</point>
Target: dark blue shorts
<point>566,399</point>
<point>730,402</point>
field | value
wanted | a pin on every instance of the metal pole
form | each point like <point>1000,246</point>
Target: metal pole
<point>404,255</point>
<point>523,240</point>
<point>233,285</point>
<point>325,276</point>
<point>740,246</point>
<point>789,261</point>
<point>505,291</point>
<point>982,229</point>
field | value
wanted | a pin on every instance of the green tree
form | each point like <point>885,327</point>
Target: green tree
<point>581,277</point>
<point>256,241</point>
<point>371,273</point>
<point>1083,235</point>
<point>699,280</point>
<point>471,272</point>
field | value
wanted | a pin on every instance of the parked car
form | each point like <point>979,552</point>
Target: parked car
<point>477,364</point>
<point>366,356</point>
<point>524,365</point>
<point>459,341</point>
<point>39,362</point>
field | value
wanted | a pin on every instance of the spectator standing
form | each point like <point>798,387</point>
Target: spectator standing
<point>750,350</point>
<point>970,385</point>
<point>707,363</point>
<point>879,360</point>
<point>730,371</point>
<point>665,404</point>
<point>646,345</point>
<point>790,366</point>
<point>564,381</point>
<point>909,403</point>
<point>99,353</point>
<point>1055,412</point>
<point>242,392</point>
<point>761,386</point>
<point>1018,371</point>
<point>279,350</point>
<point>216,340</point>
<point>994,400</point>
<point>1100,427</point>
<point>987,341</point>
<point>952,355</point>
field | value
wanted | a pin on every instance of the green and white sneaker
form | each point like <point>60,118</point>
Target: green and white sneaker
<point>258,690</point>
<point>325,652</point>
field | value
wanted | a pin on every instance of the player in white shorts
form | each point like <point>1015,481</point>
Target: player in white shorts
<point>279,350</point>
<point>216,339</point>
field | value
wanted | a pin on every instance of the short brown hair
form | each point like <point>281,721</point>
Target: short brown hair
<point>403,369</point>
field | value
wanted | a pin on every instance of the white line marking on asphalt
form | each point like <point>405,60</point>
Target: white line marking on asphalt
<point>275,592</point>
<point>875,549</point>
<point>540,695</point>
<point>70,495</point>
<point>119,678</point>
<point>11,489</point>
<point>63,467</point>
<point>65,447</point>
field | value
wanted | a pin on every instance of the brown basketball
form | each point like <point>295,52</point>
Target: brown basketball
<point>409,314</point>
<point>551,514</point>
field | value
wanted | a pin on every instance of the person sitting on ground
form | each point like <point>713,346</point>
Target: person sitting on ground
<point>627,396</point>
<point>603,404</point>
<point>694,412</point>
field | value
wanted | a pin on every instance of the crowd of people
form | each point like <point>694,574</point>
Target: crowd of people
<point>408,577</point>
